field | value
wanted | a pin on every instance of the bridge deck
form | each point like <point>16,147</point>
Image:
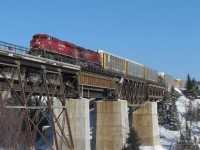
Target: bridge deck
<point>86,83</point>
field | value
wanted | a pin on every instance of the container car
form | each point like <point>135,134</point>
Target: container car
<point>134,69</point>
<point>167,79</point>
<point>150,74</point>
<point>177,83</point>
<point>112,62</point>
<point>183,83</point>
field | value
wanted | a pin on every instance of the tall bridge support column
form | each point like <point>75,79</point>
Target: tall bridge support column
<point>145,122</point>
<point>78,110</point>
<point>110,125</point>
<point>78,114</point>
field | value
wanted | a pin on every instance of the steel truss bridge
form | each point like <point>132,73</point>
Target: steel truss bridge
<point>31,84</point>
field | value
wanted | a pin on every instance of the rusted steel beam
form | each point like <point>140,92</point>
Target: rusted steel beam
<point>65,110</point>
<point>19,84</point>
<point>50,109</point>
<point>94,80</point>
<point>61,97</point>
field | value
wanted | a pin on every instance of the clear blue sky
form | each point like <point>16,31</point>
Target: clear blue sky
<point>161,34</point>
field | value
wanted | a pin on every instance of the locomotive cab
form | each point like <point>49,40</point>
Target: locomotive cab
<point>39,41</point>
<point>52,48</point>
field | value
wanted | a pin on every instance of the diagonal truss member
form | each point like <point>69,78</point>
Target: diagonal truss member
<point>31,93</point>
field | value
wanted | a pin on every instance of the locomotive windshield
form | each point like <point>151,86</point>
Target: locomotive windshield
<point>39,37</point>
<point>35,37</point>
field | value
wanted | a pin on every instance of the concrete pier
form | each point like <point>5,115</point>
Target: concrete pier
<point>145,121</point>
<point>110,125</point>
<point>78,112</point>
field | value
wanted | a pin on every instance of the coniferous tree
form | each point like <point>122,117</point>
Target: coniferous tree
<point>185,142</point>
<point>181,143</point>
<point>195,88</point>
<point>189,143</point>
<point>187,133</point>
<point>192,89</point>
<point>197,115</point>
<point>162,107</point>
<point>190,113</point>
<point>172,112</point>
<point>189,83</point>
<point>133,141</point>
<point>188,92</point>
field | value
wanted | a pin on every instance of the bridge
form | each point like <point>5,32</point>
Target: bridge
<point>35,85</point>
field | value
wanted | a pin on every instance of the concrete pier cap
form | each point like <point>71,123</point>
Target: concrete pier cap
<point>111,125</point>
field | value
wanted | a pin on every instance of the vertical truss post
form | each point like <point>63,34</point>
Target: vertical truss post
<point>54,119</point>
<point>49,105</point>
<point>28,126</point>
<point>66,113</point>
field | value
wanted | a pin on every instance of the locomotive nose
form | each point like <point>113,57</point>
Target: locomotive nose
<point>35,44</point>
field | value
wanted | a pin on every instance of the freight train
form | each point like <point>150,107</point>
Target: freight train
<point>53,48</point>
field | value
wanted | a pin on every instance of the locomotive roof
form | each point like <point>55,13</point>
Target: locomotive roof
<point>41,34</point>
<point>102,51</point>
<point>134,62</point>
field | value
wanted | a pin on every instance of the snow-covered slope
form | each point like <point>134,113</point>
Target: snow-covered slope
<point>169,138</point>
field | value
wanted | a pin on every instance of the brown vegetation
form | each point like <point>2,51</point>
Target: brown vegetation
<point>11,136</point>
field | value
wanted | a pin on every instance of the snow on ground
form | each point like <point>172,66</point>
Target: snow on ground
<point>179,91</point>
<point>169,138</point>
<point>152,147</point>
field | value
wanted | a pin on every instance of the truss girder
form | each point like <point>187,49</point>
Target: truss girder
<point>45,87</point>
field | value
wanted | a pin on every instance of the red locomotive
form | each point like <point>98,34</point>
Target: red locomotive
<point>50,47</point>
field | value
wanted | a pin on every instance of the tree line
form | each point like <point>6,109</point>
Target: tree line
<point>169,116</point>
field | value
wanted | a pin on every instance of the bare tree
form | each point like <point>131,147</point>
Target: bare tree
<point>11,122</point>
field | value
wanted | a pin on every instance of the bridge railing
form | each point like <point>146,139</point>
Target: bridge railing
<point>13,48</point>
